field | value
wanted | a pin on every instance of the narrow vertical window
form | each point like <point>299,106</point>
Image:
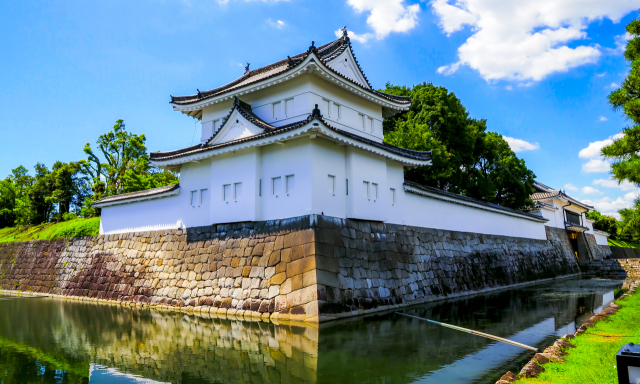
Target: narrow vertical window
<point>370,124</point>
<point>332,184</point>
<point>324,108</point>
<point>237,191</point>
<point>392,195</point>
<point>365,189</point>
<point>203,196</point>
<point>289,184</point>
<point>336,111</point>
<point>276,185</point>
<point>277,110</point>
<point>260,187</point>
<point>374,191</point>
<point>288,107</point>
<point>194,197</point>
<point>361,117</point>
<point>347,183</point>
<point>226,192</point>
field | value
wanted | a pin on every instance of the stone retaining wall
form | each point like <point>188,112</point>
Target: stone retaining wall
<point>628,269</point>
<point>312,268</point>
<point>598,251</point>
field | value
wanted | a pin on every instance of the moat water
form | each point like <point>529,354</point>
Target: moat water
<point>46,340</point>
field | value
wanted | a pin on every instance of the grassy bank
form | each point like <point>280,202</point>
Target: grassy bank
<point>623,244</point>
<point>594,359</point>
<point>71,228</point>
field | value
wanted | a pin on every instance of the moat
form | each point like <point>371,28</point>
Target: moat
<point>57,341</point>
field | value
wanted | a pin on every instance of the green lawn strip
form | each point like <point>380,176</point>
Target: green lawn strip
<point>71,228</point>
<point>622,243</point>
<point>594,359</point>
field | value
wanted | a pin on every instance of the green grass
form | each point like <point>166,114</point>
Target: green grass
<point>594,359</point>
<point>622,243</point>
<point>71,228</point>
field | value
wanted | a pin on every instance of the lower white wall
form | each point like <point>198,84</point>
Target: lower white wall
<point>427,212</point>
<point>600,239</point>
<point>148,215</point>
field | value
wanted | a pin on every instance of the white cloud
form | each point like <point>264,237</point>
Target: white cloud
<point>279,24</point>
<point>590,191</point>
<point>385,17</point>
<point>621,43</point>
<point>509,88</point>
<point>610,207</point>
<point>525,40</point>
<point>593,149</point>
<point>612,86</point>
<point>518,145</point>
<point>596,166</point>
<point>570,187</point>
<point>602,118</point>
<point>610,183</point>
<point>601,74</point>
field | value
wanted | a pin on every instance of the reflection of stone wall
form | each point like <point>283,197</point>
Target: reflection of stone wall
<point>285,269</point>
<point>166,346</point>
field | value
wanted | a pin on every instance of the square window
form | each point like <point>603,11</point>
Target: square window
<point>289,183</point>
<point>288,107</point>
<point>216,125</point>
<point>237,191</point>
<point>324,108</point>
<point>203,196</point>
<point>277,110</point>
<point>194,197</point>
<point>276,185</point>
<point>374,191</point>
<point>332,184</point>
<point>226,192</point>
<point>365,185</point>
<point>336,111</point>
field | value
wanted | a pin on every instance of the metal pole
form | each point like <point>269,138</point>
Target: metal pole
<point>488,336</point>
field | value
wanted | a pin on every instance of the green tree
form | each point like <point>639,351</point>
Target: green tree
<point>121,165</point>
<point>466,158</point>
<point>630,223</point>
<point>22,183</point>
<point>69,187</point>
<point>40,195</point>
<point>7,203</point>
<point>604,223</point>
<point>624,151</point>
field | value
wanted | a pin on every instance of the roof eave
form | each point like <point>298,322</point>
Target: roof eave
<point>314,126</point>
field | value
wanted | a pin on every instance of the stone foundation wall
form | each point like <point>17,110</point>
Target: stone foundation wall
<point>628,269</point>
<point>311,268</point>
<point>373,265</point>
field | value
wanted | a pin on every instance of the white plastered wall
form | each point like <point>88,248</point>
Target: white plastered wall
<point>295,99</point>
<point>600,239</point>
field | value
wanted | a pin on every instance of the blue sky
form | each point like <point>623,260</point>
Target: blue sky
<point>538,70</point>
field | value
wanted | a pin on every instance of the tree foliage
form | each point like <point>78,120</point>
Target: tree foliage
<point>604,223</point>
<point>624,151</point>
<point>467,159</point>
<point>119,164</point>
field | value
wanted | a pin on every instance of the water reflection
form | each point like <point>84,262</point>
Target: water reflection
<point>51,341</point>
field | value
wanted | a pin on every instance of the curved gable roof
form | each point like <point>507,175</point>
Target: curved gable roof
<point>324,53</point>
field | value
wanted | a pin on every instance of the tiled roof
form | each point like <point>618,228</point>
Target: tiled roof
<point>138,194</point>
<point>245,110</point>
<point>455,196</point>
<point>271,131</point>
<point>544,192</point>
<point>325,53</point>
